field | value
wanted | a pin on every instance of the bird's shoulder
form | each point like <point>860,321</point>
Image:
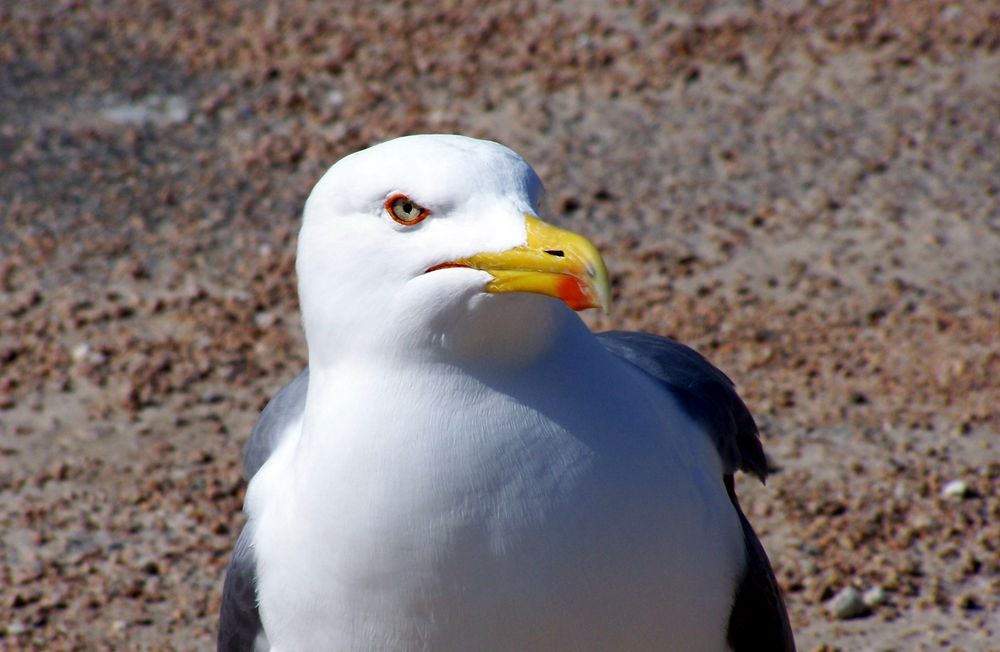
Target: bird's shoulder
<point>278,419</point>
<point>705,393</point>
<point>758,619</point>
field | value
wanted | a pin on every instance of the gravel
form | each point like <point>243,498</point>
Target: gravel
<point>806,192</point>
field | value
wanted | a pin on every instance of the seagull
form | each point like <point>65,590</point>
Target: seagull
<point>464,465</point>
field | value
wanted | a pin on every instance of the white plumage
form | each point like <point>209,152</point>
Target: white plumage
<point>472,469</point>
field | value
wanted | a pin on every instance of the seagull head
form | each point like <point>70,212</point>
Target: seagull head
<point>434,242</point>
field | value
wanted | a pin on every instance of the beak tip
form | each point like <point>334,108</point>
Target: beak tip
<point>605,304</point>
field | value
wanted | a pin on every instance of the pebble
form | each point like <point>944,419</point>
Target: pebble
<point>80,352</point>
<point>213,396</point>
<point>156,110</point>
<point>265,319</point>
<point>956,489</point>
<point>874,597</point>
<point>83,352</point>
<point>847,604</point>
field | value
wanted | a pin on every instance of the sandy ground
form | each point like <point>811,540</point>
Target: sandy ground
<point>808,194</point>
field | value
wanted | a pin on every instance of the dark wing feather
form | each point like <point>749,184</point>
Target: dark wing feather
<point>239,622</point>
<point>758,620</point>
<point>705,393</point>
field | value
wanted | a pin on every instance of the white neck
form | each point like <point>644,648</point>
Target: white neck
<point>493,346</point>
<point>485,332</point>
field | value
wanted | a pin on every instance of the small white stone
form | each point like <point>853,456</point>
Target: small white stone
<point>951,12</point>
<point>874,597</point>
<point>265,319</point>
<point>955,489</point>
<point>175,109</point>
<point>847,604</point>
<point>80,352</point>
<point>154,109</point>
<point>85,353</point>
<point>126,114</point>
<point>336,97</point>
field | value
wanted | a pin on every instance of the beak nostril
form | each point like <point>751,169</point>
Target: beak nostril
<point>558,253</point>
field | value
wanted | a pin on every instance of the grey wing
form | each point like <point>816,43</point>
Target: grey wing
<point>240,629</point>
<point>704,392</point>
<point>758,620</point>
<point>274,423</point>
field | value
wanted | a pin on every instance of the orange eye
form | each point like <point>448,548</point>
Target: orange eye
<point>404,210</point>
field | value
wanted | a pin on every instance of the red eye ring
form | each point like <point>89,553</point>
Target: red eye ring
<point>404,210</point>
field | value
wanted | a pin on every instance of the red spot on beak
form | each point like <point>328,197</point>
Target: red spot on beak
<point>574,293</point>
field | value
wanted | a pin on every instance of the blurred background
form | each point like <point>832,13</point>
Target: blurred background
<point>807,193</point>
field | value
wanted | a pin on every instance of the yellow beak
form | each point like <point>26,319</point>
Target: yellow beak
<point>554,262</point>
